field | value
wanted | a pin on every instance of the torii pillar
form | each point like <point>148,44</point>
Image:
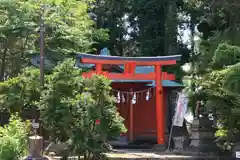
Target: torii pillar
<point>159,105</point>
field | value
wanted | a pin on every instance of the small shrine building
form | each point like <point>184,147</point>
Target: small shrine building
<point>145,95</point>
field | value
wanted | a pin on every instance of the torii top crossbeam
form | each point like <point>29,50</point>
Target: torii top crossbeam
<point>130,64</point>
<point>140,61</point>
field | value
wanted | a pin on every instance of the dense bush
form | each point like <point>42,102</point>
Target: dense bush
<point>13,139</point>
<point>21,92</point>
<point>79,112</point>
<point>76,111</point>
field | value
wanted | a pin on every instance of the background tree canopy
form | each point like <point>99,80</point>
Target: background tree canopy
<point>68,29</point>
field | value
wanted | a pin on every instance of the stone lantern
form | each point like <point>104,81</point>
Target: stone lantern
<point>202,132</point>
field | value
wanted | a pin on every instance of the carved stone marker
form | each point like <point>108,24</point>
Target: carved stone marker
<point>35,146</point>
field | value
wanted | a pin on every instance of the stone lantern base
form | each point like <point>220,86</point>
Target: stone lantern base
<point>202,137</point>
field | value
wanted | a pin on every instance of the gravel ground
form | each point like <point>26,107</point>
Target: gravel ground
<point>131,154</point>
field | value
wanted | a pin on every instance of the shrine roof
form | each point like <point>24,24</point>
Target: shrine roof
<point>167,83</point>
<point>109,57</point>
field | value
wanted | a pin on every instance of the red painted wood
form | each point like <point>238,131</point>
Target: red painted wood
<point>126,68</point>
<point>98,68</point>
<point>144,112</point>
<point>159,105</point>
<point>144,117</point>
<point>165,95</point>
<point>132,67</point>
<point>129,76</point>
<point>131,117</point>
<point>119,62</point>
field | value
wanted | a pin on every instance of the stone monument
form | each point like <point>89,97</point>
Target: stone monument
<point>35,145</point>
<point>202,133</point>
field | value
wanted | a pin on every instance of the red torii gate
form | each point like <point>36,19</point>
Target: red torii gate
<point>130,64</point>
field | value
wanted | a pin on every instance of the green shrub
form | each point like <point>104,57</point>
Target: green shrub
<point>13,139</point>
<point>80,112</point>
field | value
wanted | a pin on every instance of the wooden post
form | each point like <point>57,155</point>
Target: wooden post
<point>126,68</point>
<point>159,105</point>
<point>131,118</point>
<point>99,68</point>
<point>132,67</point>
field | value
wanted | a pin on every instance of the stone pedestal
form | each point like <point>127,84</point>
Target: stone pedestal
<point>202,136</point>
<point>159,147</point>
<point>35,146</point>
<point>236,150</point>
<point>178,143</point>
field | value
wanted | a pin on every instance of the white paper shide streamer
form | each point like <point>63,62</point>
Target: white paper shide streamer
<point>124,96</point>
<point>134,99</point>
<point>123,99</point>
<point>148,96</point>
<point>118,98</point>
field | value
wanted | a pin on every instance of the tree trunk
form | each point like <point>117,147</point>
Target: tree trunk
<point>2,69</point>
<point>192,29</point>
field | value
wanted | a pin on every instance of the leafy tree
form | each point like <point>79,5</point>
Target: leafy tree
<point>232,80</point>
<point>20,93</point>
<point>226,55</point>
<point>68,29</point>
<point>217,67</point>
<point>112,15</point>
<point>79,112</point>
<point>140,28</point>
<point>216,98</point>
<point>76,111</point>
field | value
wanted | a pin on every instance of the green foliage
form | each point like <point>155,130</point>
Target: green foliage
<point>20,92</point>
<point>70,107</point>
<point>151,37</point>
<point>13,139</point>
<point>140,27</point>
<point>222,139</point>
<point>225,55</point>
<point>232,81</point>
<point>219,83</point>
<point>68,29</point>
<point>57,100</point>
<point>216,97</point>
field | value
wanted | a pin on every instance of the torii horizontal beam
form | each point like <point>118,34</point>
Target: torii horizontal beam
<point>120,76</point>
